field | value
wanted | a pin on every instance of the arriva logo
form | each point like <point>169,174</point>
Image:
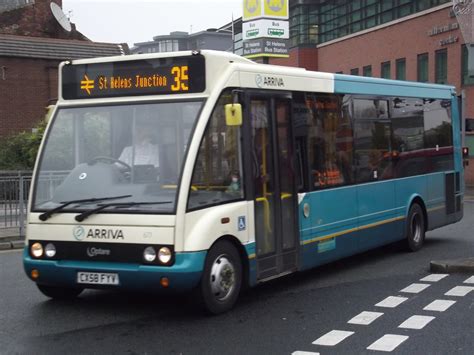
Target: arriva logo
<point>79,233</point>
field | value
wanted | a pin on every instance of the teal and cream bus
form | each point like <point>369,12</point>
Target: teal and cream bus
<point>206,172</point>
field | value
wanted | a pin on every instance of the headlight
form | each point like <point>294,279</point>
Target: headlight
<point>164,255</point>
<point>36,250</point>
<point>149,254</point>
<point>50,250</point>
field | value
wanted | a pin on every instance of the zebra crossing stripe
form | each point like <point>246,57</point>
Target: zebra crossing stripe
<point>332,338</point>
<point>388,342</point>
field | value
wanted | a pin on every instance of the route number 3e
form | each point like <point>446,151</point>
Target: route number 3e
<point>180,78</point>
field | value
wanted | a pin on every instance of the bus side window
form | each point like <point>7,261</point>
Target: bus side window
<point>372,140</point>
<point>218,168</point>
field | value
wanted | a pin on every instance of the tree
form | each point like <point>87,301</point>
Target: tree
<point>18,151</point>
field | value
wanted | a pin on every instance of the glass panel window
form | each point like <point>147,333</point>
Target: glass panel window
<point>441,66</point>
<point>409,157</point>
<point>422,67</point>
<point>385,70</point>
<point>217,176</point>
<point>386,4</point>
<point>465,78</point>
<point>330,142</point>
<point>367,70</point>
<point>355,71</point>
<point>371,140</point>
<point>438,134</point>
<point>400,70</point>
<point>131,154</point>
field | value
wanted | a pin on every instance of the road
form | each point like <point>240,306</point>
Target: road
<point>285,316</point>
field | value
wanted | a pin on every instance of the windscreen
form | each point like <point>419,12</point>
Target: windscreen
<point>131,155</point>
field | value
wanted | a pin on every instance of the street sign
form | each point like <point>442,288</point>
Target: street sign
<point>253,9</point>
<point>265,29</point>
<point>266,47</point>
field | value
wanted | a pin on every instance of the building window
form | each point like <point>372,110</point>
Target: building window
<point>400,69</point>
<point>355,71</point>
<point>441,66</point>
<point>385,70</point>
<point>367,70</point>
<point>465,78</point>
<point>422,67</point>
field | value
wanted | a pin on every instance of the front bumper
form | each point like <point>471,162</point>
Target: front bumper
<point>183,275</point>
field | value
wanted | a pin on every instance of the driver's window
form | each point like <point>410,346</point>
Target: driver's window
<point>217,176</point>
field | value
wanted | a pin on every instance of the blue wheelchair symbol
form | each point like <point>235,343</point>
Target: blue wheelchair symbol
<point>242,224</point>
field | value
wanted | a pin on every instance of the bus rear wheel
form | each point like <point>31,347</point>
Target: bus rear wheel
<point>59,293</point>
<point>415,228</point>
<point>222,278</point>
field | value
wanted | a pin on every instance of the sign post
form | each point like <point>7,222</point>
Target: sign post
<point>265,29</point>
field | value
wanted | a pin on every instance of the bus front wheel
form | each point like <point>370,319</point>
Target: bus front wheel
<point>60,293</point>
<point>415,228</point>
<point>222,278</point>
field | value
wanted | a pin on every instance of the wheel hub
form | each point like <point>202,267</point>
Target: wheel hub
<point>222,278</point>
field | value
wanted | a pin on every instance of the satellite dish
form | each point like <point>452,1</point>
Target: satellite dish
<point>60,16</point>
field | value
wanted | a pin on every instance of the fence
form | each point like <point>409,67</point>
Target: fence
<point>14,187</point>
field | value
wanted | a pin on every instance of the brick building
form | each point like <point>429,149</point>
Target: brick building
<point>32,44</point>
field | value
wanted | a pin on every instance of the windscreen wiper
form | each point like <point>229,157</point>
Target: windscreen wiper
<point>44,216</point>
<point>84,215</point>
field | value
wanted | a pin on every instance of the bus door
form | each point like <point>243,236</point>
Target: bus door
<point>273,183</point>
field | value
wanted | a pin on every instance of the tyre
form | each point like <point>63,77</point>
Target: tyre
<point>60,293</point>
<point>222,278</point>
<point>415,228</point>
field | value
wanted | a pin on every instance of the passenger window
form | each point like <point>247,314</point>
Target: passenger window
<point>329,141</point>
<point>372,140</point>
<point>217,176</point>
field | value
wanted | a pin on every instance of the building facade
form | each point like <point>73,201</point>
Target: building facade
<point>217,39</point>
<point>32,44</point>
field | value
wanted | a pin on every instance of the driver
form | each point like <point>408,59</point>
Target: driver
<point>144,152</point>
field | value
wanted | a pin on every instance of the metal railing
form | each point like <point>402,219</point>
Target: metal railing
<point>14,187</point>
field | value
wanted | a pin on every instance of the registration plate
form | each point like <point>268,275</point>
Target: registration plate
<point>97,278</point>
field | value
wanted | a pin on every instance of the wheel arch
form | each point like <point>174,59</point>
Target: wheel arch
<point>419,200</point>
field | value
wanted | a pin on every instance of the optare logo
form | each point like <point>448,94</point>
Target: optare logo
<point>92,252</point>
<point>79,233</point>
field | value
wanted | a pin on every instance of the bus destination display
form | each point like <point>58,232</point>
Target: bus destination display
<point>160,76</point>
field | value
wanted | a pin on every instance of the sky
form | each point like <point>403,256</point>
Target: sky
<point>134,21</point>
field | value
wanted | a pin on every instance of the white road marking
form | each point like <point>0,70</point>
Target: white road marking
<point>303,353</point>
<point>416,322</point>
<point>439,305</point>
<point>332,338</point>
<point>459,291</point>
<point>391,302</point>
<point>470,280</point>
<point>415,288</point>
<point>434,277</point>
<point>365,318</point>
<point>388,342</point>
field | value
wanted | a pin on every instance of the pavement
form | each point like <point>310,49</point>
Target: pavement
<point>10,239</point>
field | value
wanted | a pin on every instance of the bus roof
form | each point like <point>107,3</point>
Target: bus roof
<point>223,69</point>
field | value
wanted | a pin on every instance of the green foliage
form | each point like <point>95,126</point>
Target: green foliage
<point>18,152</point>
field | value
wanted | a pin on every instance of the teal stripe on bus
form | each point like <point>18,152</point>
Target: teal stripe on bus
<point>347,84</point>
